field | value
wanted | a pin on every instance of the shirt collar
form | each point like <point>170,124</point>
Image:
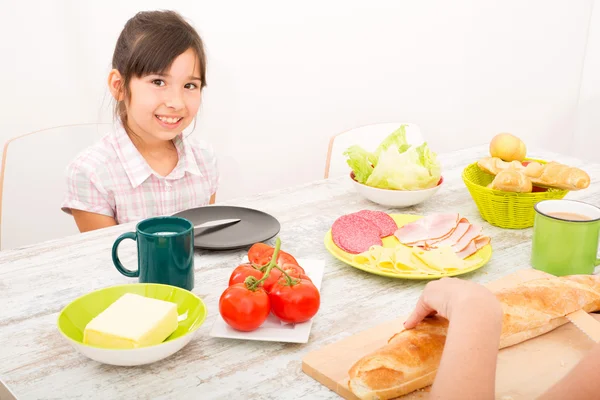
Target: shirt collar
<point>137,168</point>
<point>187,160</point>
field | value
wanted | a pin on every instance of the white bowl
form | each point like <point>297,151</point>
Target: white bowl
<point>134,357</point>
<point>395,198</point>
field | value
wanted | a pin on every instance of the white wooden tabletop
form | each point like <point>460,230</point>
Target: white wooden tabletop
<point>38,281</point>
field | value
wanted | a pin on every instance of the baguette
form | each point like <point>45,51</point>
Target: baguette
<point>411,358</point>
<point>511,180</point>
<point>552,174</point>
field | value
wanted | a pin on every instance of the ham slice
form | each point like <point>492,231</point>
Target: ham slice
<point>435,226</point>
<point>473,246</point>
<point>469,236</point>
<point>457,234</point>
<point>432,243</point>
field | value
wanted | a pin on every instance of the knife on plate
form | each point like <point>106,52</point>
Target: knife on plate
<point>217,222</point>
<point>586,323</point>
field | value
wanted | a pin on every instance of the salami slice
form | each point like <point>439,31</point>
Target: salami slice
<point>355,234</point>
<point>386,224</point>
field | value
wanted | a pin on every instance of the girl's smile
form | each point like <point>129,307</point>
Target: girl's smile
<point>169,122</point>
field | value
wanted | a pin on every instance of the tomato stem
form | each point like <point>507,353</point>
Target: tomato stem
<point>289,280</point>
<point>250,283</point>
<point>273,263</point>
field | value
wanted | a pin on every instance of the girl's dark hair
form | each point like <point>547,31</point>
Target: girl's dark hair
<point>148,44</point>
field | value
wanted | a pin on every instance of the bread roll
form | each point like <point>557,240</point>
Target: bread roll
<point>552,174</point>
<point>411,358</point>
<point>511,180</point>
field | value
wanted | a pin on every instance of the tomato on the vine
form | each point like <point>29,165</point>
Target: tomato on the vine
<point>242,271</point>
<point>272,281</point>
<point>296,302</point>
<point>244,309</point>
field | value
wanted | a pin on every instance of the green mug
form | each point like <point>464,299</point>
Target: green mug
<point>565,237</point>
<point>165,247</point>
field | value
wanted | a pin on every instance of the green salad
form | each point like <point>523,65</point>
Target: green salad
<point>395,164</point>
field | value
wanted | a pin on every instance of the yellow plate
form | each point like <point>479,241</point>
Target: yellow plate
<point>485,253</point>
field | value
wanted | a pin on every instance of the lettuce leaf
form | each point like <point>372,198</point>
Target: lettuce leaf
<point>398,138</point>
<point>361,161</point>
<point>429,160</point>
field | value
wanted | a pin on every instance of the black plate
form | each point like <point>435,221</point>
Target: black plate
<point>255,226</point>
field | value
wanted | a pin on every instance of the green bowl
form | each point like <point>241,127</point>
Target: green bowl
<point>73,319</point>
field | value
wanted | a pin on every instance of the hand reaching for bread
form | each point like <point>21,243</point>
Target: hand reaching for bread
<point>514,176</point>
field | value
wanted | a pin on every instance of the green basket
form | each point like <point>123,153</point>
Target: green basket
<point>504,209</point>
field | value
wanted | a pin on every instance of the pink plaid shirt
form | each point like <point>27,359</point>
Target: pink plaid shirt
<point>112,178</point>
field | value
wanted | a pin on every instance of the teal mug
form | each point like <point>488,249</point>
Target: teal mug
<point>165,247</point>
<point>565,237</point>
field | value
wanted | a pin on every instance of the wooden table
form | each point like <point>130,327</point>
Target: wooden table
<point>38,281</point>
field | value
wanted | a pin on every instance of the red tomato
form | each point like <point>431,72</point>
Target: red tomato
<point>256,251</point>
<point>261,253</point>
<point>291,266</point>
<point>284,258</point>
<point>242,271</point>
<point>526,163</point>
<point>295,271</point>
<point>296,303</point>
<point>244,309</point>
<point>274,276</point>
<point>538,189</point>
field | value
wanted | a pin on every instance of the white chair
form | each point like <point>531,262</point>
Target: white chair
<point>368,137</point>
<point>32,183</point>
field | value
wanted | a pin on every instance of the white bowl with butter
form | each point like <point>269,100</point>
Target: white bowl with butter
<point>133,324</point>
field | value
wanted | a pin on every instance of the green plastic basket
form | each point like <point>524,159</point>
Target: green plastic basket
<point>504,209</point>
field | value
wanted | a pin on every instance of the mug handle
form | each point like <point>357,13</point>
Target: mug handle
<point>115,256</point>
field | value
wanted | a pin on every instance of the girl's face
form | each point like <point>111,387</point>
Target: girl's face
<point>161,106</point>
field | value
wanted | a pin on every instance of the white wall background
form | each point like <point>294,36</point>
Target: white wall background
<point>283,78</point>
<point>587,128</point>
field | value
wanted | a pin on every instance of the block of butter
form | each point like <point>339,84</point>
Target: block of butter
<point>130,322</point>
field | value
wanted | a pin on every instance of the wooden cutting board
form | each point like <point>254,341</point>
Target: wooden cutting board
<point>524,371</point>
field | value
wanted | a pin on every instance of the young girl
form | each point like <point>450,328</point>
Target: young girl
<point>146,167</point>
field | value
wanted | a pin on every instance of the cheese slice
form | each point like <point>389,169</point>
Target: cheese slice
<point>443,259</point>
<point>132,321</point>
